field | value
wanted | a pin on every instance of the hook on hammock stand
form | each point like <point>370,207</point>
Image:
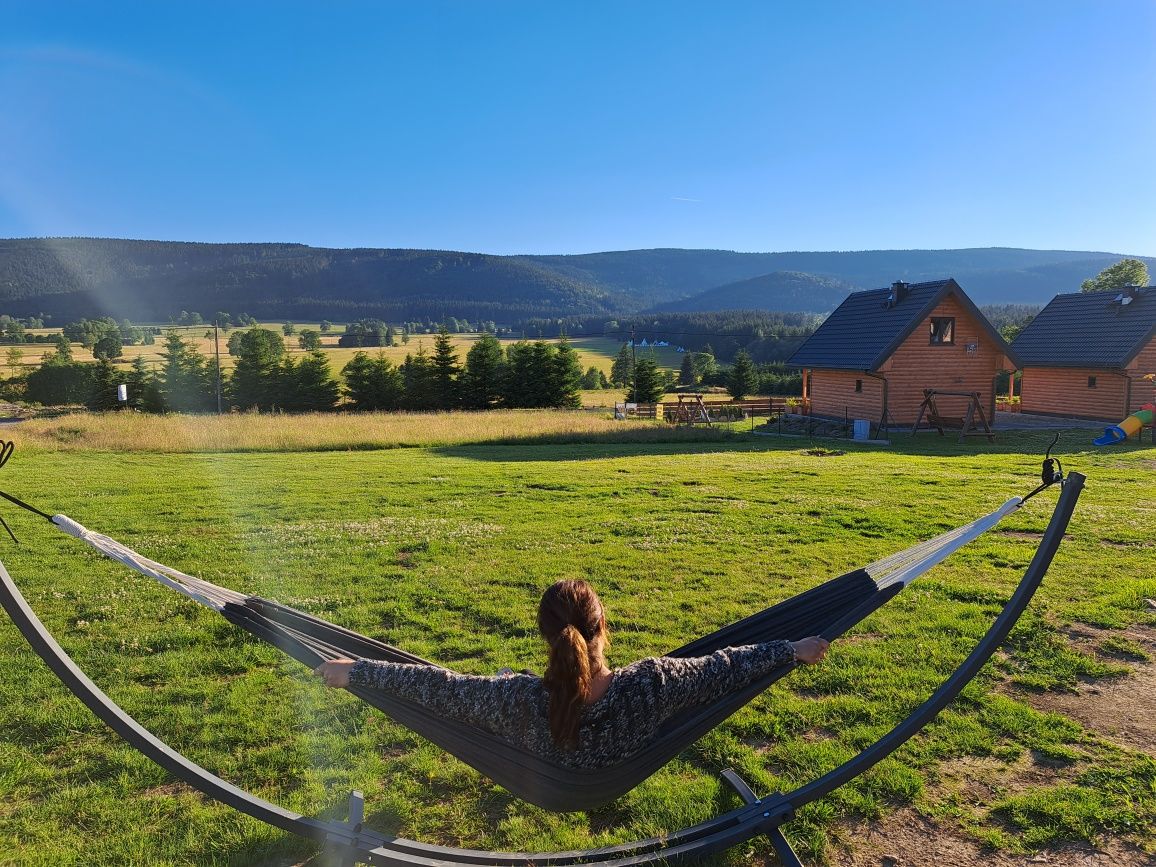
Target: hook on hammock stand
<point>1052,472</point>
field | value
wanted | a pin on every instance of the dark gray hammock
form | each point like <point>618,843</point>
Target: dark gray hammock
<point>829,610</point>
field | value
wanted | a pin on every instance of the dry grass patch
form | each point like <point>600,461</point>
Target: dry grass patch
<point>244,432</point>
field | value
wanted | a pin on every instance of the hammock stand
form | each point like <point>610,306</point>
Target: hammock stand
<point>758,816</point>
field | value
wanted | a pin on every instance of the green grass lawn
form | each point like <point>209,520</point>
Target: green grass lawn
<point>444,551</point>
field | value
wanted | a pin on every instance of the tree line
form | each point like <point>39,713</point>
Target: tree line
<point>645,383</point>
<point>766,337</point>
<point>523,375</point>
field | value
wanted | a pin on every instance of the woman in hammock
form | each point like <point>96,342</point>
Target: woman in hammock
<point>580,714</point>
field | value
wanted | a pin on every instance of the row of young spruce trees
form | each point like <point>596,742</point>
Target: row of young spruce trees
<point>523,375</point>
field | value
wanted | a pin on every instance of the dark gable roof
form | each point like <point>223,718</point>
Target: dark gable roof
<point>863,331</point>
<point>1088,329</point>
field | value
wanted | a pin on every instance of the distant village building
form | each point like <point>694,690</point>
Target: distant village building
<point>877,353</point>
<point>1087,354</point>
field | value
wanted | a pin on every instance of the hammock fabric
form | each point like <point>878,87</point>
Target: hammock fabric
<point>828,610</point>
<point>758,816</point>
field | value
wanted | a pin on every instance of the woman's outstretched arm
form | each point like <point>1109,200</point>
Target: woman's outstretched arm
<point>687,681</point>
<point>490,702</point>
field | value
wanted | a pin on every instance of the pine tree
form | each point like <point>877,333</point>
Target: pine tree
<point>446,371</point>
<point>312,387</point>
<point>186,383</point>
<point>102,393</point>
<point>686,373</point>
<point>648,382</point>
<point>418,377</point>
<point>517,384</point>
<point>257,376</point>
<point>373,384</point>
<point>482,377</point>
<point>622,371</point>
<point>144,389</point>
<point>566,377</point>
<point>743,379</point>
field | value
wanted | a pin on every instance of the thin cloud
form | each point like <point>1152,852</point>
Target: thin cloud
<point>62,55</point>
<point>684,199</point>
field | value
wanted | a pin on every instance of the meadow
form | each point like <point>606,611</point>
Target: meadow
<point>596,352</point>
<point>437,533</point>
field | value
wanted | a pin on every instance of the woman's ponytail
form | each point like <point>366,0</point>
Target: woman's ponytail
<point>568,680</point>
<point>570,618</point>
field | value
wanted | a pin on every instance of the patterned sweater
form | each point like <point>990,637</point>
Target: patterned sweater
<point>640,698</point>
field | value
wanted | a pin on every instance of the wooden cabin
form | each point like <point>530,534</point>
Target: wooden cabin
<point>874,356</point>
<point>1086,355</point>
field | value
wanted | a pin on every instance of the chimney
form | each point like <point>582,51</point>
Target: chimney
<point>898,293</point>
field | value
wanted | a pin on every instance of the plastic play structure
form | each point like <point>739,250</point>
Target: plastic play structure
<point>1131,426</point>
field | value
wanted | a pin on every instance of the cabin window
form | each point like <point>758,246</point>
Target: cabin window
<point>1091,382</point>
<point>858,385</point>
<point>942,330</point>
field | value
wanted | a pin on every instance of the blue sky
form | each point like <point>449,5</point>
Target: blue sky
<point>543,127</point>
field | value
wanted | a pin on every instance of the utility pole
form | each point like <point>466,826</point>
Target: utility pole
<point>217,349</point>
<point>633,364</point>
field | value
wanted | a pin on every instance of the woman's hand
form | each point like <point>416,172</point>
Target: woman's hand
<point>335,672</point>
<point>810,650</point>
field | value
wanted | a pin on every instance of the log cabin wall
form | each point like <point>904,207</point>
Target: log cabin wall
<point>1065,391</point>
<point>833,394</point>
<point>1143,390</point>
<point>918,364</point>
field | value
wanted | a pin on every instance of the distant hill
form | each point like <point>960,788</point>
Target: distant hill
<point>153,280</point>
<point>67,278</point>
<point>990,275</point>
<point>784,291</point>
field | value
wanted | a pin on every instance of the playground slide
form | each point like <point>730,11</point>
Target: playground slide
<point>1130,426</point>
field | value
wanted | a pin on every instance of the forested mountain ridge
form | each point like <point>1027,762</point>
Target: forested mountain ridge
<point>153,280</point>
<point>788,291</point>
<point>68,278</point>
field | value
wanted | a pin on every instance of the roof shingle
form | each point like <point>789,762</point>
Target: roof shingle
<point>864,330</point>
<point>1088,329</point>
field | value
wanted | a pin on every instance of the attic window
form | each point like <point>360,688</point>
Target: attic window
<point>942,330</point>
<point>1091,382</point>
<point>858,385</point>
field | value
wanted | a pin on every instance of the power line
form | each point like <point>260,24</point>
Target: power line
<point>665,331</point>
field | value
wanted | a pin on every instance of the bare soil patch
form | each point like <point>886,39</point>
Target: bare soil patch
<point>1122,710</point>
<point>907,839</point>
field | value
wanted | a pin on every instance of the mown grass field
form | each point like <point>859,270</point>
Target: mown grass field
<point>438,536</point>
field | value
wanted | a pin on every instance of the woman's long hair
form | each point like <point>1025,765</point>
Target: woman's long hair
<point>570,618</point>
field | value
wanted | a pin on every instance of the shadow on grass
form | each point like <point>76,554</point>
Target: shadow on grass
<point>675,441</point>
